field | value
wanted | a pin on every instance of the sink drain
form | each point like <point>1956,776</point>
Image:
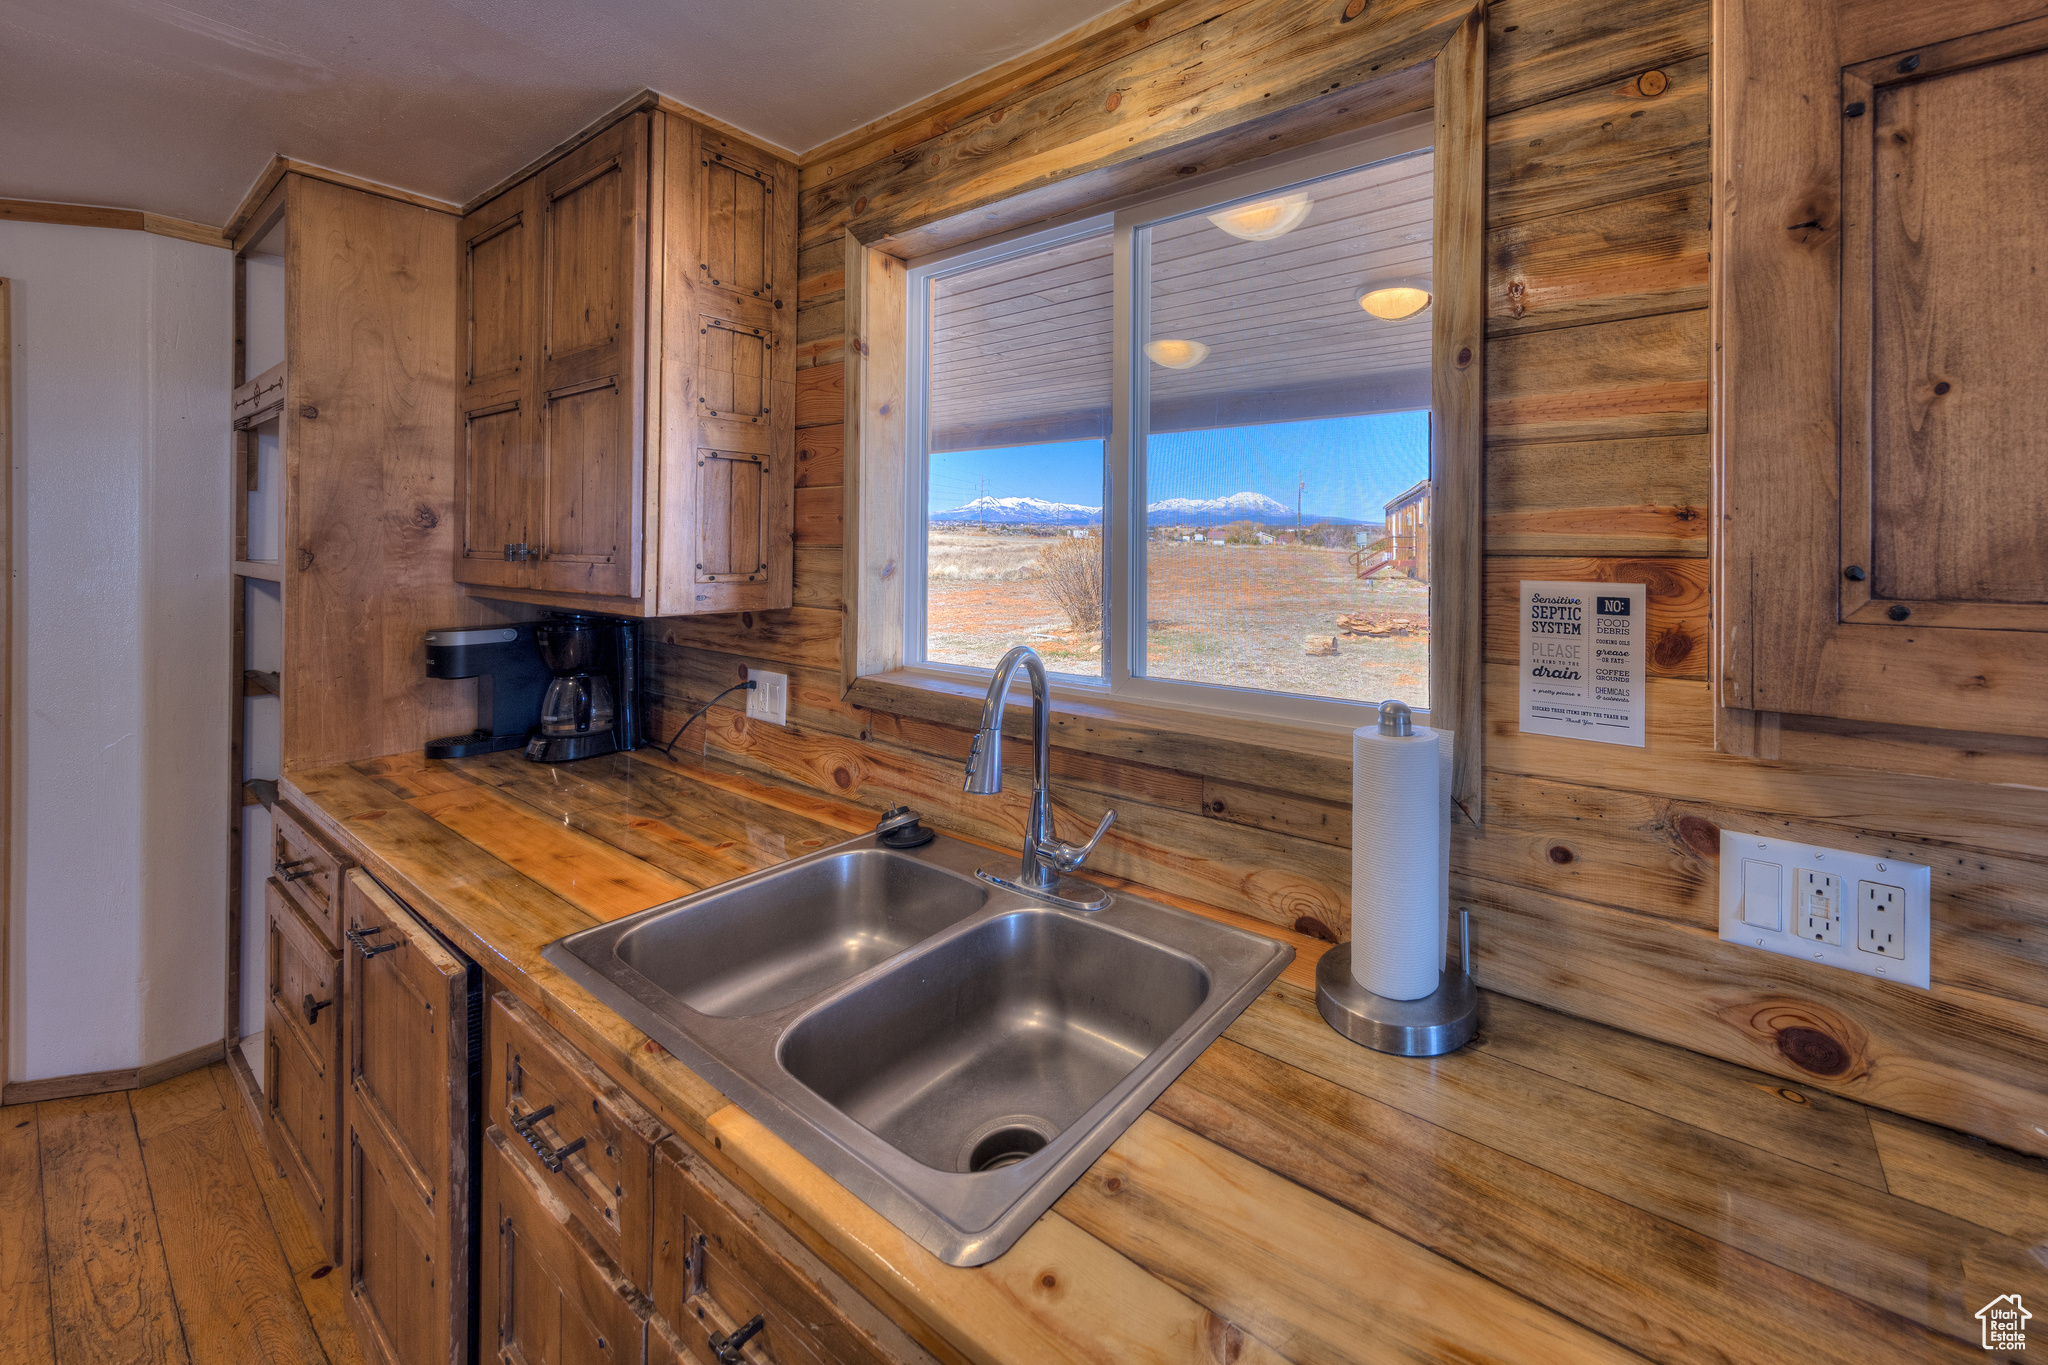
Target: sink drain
<point>1005,1145</point>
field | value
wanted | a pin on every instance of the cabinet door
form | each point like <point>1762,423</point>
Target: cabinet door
<point>548,1295</point>
<point>593,327</point>
<point>736,241</point>
<point>409,1106</point>
<point>1883,326</point>
<point>302,1061</point>
<point>498,470</point>
<point>731,377</point>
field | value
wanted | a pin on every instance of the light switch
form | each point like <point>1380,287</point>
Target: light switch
<point>1762,894</point>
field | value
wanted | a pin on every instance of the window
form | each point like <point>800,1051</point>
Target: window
<point>1183,450</point>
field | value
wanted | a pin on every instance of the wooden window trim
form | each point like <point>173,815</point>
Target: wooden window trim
<point>877,453</point>
<point>1297,756</point>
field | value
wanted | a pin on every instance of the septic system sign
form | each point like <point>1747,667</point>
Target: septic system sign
<point>1582,661</point>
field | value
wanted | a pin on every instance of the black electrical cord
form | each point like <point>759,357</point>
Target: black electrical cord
<point>669,748</point>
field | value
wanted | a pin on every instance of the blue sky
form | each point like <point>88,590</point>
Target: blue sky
<point>1352,466</point>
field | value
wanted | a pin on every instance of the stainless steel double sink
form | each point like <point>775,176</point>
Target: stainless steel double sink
<point>954,1052</point>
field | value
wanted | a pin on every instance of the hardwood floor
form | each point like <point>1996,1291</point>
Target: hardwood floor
<point>150,1226</point>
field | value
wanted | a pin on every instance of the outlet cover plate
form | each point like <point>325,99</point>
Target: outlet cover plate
<point>769,699</point>
<point>1849,869</point>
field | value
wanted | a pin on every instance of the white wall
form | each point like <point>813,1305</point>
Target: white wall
<point>122,347</point>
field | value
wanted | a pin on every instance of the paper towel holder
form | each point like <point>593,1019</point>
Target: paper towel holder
<point>1442,1021</point>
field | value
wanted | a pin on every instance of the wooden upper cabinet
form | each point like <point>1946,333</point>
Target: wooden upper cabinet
<point>498,471</point>
<point>628,440</point>
<point>1883,325</point>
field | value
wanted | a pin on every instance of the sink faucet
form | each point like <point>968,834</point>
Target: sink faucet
<point>1045,858</point>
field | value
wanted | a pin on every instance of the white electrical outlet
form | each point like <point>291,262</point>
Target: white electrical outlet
<point>1881,919</point>
<point>1820,905</point>
<point>1883,932</point>
<point>769,699</point>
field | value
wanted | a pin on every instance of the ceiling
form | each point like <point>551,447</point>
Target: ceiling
<point>1022,346</point>
<point>175,109</point>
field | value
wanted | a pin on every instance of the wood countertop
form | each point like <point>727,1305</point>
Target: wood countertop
<point>1556,1191</point>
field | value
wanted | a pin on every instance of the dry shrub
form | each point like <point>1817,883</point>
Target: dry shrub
<point>1070,571</point>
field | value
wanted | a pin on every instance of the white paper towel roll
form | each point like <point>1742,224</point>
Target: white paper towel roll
<point>1400,860</point>
<point>1443,843</point>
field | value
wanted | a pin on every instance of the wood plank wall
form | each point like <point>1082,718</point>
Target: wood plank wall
<point>1593,883</point>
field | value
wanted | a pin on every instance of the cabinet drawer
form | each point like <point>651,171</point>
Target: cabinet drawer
<point>547,1292</point>
<point>719,1261</point>
<point>302,1061</point>
<point>584,1138</point>
<point>309,867</point>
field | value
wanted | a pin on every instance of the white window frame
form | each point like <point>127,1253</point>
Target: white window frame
<point>1124,502</point>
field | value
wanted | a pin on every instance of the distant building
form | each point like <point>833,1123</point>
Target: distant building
<point>1408,531</point>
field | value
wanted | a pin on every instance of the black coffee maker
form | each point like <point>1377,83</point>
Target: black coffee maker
<point>511,679</point>
<point>591,705</point>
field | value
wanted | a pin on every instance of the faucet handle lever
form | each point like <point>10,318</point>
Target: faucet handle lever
<point>1066,857</point>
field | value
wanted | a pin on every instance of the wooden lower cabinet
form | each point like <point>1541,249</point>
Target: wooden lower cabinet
<point>573,1229</point>
<point>720,1262</point>
<point>595,1218</point>
<point>412,1038</point>
<point>575,1131</point>
<point>549,1294</point>
<point>302,1061</point>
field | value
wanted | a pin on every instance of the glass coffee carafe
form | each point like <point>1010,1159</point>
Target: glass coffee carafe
<point>576,705</point>
<point>579,712</point>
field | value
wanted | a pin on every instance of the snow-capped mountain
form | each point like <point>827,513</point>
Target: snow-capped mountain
<point>1214,511</point>
<point>1254,507</point>
<point>1023,511</point>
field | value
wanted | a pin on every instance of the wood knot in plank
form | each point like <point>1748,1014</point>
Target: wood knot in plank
<point>1226,1343</point>
<point>1561,855</point>
<point>1652,84</point>
<point>1352,10</point>
<point>1116,97</point>
<point>1811,1050</point>
<point>1672,648</point>
<point>1518,298</point>
<point>1701,836</point>
<point>1813,1037</point>
<point>1315,928</point>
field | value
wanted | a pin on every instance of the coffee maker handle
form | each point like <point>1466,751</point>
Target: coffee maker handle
<point>583,708</point>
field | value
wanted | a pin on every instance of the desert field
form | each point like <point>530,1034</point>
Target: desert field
<point>1234,615</point>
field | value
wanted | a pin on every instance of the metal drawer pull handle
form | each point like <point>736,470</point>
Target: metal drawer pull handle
<point>284,870</point>
<point>360,937</point>
<point>311,1008</point>
<point>550,1155</point>
<point>727,1348</point>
